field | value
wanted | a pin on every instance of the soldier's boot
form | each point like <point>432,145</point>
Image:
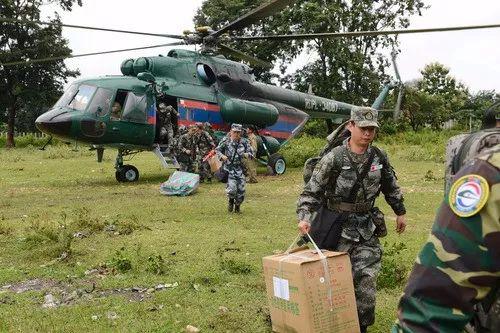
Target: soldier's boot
<point>230,205</point>
<point>237,208</point>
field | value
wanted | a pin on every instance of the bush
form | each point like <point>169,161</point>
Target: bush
<point>393,272</point>
<point>299,149</point>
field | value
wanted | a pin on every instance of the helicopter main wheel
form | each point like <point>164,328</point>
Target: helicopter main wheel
<point>277,164</point>
<point>127,174</point>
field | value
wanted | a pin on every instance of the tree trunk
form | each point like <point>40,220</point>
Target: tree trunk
<point>11,117</point>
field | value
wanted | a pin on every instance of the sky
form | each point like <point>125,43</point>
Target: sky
<point>472,56</point>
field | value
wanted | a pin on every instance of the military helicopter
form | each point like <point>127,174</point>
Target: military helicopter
<point>202,86</point>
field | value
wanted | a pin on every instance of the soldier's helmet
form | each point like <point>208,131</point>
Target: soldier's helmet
<point>364,116</point>
<point>207,125</point>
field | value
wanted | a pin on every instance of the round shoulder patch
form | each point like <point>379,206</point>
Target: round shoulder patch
<point>468,195</point>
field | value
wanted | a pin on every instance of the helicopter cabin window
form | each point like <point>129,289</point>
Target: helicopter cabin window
<point>117,107</point>
<point>101,102</point>
<point>135,108</point>
<point>82,98</point>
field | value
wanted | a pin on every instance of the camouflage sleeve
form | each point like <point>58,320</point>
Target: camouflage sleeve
<point>390,188</point>
<point>460,263</point>
<point>311,198</point>
<point>249,149</point>
<point>210,140</point>
<point>221,148</point>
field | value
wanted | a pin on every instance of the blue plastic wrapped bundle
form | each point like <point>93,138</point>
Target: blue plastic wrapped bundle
<point>180,183</point>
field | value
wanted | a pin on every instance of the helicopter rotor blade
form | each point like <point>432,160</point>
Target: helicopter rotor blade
<point>243,56</point>
<point>11,20</point>
<point>267,9</point>
<point>35,61</point>
<point>351,34</point>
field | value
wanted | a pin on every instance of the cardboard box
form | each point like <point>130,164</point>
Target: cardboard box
<point>215,163</point>
<point>309,295</point>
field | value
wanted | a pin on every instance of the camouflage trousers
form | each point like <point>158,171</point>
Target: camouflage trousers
<point>235,187</point>
<point>203,168</point>
<point>187,166</point>
<point>365,260</point>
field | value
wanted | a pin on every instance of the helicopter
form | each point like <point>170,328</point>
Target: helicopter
<point>202,86</point>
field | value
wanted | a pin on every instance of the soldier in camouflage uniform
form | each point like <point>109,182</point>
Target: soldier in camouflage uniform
<point>166,112</point>
<point>332,180</point>
<point>459,266</point>
<point>251,164</point>
<point>232,150</point>
<point>186,150</point>
<point>203,144</point>
<point>460,263</point>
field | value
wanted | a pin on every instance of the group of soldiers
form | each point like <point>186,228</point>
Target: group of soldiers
<point>459,266</point>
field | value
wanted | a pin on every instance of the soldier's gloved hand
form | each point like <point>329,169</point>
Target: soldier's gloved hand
<point>400,223</point>
<point>304,227</point>
<point>223,157</point>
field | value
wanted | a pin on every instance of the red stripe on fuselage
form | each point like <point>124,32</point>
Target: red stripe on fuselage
<point>199,105</point>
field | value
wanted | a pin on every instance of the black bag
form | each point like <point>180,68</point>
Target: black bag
<point>222,175</point>
<point>326,228</point>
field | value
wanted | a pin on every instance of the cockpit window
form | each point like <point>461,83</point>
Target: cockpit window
<point>82,98</point>
<point>100,102</point>
<point>67,96</point>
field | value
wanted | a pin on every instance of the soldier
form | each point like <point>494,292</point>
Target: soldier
<point>203,144</point>
<point>209,129</point>
<point>166,112</point>
<point>232,150</point>
<point>459,266</point>
<point>346,182</point>
<point>186,150</point>
<point>250,164</point>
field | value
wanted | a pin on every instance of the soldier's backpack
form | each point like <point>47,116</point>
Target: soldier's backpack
<point>471,146</point>
<point>333,140</point>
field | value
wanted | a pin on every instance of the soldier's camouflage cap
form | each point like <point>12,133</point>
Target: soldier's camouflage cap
<point>364,117</point>
<point>236,127</point>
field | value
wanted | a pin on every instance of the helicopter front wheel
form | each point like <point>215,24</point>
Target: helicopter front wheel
<point>127,174</point>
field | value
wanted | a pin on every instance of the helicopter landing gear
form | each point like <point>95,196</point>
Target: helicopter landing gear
<point>125,173</point>
<point>277,164</point>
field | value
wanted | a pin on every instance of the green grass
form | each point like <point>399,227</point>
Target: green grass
<point>214,257</point>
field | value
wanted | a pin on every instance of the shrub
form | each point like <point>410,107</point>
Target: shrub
<point>120,262</point>
<point>298,150</point>
<point>393,272</point>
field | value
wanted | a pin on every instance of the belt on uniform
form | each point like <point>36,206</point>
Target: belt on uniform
<point>359,207</point>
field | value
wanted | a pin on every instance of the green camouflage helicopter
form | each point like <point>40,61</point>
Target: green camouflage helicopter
<point>202,86</point>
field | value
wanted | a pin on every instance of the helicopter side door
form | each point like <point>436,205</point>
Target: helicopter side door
<point>132,118</point>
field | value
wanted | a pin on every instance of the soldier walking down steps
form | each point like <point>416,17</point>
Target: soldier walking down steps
<point>232,150</point>
<point>343,188</point>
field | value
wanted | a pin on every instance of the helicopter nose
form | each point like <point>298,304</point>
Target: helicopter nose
<point>54,123</point>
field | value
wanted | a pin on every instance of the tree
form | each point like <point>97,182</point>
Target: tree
<point>350,70</point>
<point>437,81</point>
<point>28,87</point>
<point>421,108</point>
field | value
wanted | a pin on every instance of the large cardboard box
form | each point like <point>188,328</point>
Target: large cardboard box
<point>308,294</point>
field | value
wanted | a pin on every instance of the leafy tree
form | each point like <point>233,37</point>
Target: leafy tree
<point>437,81</point>
<point>421,108</point>
<point>30,87</point>
<point>477,104</point>
<point>350,70</point>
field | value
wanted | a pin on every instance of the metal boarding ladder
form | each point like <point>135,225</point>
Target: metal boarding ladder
<point>166,158</point>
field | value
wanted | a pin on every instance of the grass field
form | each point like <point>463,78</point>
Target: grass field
<point>68,229</point>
